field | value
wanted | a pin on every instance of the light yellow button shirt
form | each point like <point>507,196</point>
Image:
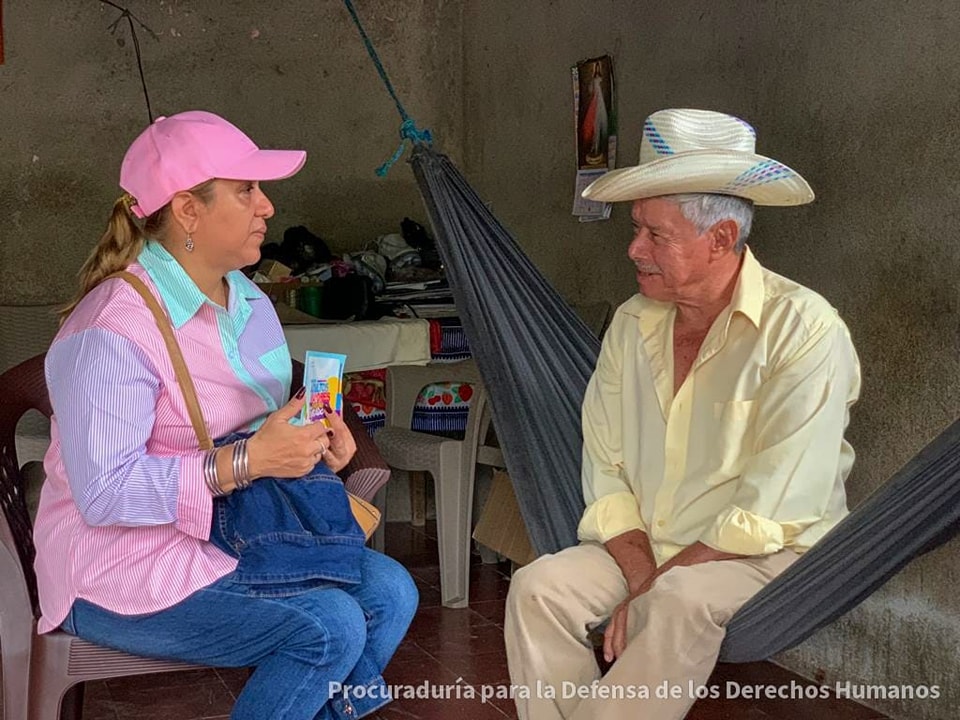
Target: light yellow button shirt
<point>749,457</point>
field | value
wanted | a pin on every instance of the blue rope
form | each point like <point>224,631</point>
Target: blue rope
<point>408,130</point>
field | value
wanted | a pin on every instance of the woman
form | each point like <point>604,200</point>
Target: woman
<point>124,557</point>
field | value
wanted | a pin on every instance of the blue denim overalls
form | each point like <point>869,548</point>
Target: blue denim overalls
<point>289,535</point>
<point>292,536</point>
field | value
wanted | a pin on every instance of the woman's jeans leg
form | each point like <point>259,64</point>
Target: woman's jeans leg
<point>388,597</point>
<point>303,646</point>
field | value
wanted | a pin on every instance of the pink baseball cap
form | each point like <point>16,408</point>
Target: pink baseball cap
<point>181,151</point>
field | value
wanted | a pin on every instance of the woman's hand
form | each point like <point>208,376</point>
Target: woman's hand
<point>342,446</point>
<point>279,449</point>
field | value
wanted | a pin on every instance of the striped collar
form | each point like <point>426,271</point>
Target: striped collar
<point>182,296</point>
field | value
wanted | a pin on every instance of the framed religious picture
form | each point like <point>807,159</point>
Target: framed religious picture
<point>595,120</point>
<point>593,93</point>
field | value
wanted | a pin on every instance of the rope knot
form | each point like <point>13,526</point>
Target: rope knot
<point>409,130</point>
<point>416,136</point>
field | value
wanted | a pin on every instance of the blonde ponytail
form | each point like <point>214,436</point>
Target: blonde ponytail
<point>124,239</point>
<point>119,246</point>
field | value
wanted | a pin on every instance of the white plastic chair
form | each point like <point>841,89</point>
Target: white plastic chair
<point>451,463</point>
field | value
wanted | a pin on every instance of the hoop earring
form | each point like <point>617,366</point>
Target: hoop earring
<point>188,243</point>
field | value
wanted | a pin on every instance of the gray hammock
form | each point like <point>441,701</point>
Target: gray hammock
<point>536,357</point>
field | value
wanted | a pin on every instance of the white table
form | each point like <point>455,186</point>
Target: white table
<point>368,344</point>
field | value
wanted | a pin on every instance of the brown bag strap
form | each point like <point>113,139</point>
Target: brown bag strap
<point>367,515</point>
<point>176,357</point>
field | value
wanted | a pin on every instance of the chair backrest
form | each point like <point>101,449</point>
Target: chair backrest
<point>405,382</point>
<point>22,388</point>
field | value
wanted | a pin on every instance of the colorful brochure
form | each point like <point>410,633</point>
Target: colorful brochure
<point>323,379</point>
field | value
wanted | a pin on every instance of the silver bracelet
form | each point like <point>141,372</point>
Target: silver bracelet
<point>210,474</point>
<point>241,465</point>
<point>245,463</point>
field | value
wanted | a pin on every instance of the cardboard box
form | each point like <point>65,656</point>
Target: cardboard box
<point>274,269</point>
<point>501,527</point>
<point>279,292</point>
<point>292,316</point>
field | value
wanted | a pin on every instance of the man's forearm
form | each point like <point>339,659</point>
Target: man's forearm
<point>694,555</point>
<point>634,556</point>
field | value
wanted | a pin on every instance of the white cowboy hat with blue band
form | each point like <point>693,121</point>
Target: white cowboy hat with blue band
<point>701,151</point>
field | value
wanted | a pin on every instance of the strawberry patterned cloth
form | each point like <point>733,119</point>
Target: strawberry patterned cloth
<point>441,409</point>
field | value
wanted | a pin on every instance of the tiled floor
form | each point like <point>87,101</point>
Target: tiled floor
<point>444,647</point>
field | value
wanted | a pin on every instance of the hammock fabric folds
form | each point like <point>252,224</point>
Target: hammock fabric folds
<point>916,511</point>
<point>536,357</point>
<point>533,351</point>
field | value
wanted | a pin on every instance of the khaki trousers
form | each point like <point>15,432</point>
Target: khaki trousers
<point>674,633</point>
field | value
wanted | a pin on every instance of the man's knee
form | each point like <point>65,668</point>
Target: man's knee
<point>549,577</point>
<point>529,581</point>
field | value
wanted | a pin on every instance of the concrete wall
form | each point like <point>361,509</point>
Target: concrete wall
<point>291,74</point>
<point>862,98</point>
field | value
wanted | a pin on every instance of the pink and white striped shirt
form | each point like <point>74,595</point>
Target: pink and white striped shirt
<point>124,516</point>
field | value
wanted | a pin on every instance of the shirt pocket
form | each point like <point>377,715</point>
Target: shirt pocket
<point>733,436</point>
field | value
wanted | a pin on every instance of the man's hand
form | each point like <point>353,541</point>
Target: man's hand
<point>634,556</point>
<point>615,636</point>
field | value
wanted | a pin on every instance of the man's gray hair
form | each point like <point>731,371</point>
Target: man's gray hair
<point>705,210</point>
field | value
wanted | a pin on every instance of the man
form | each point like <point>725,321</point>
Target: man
<point>713,438</point>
